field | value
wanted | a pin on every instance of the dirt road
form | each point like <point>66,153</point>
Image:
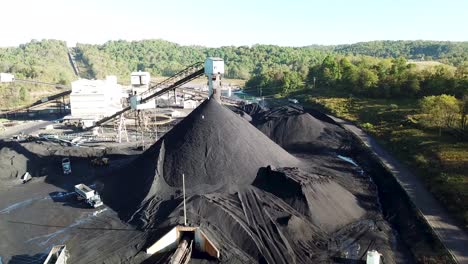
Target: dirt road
<point>26,128</point>
<point>454,238</point>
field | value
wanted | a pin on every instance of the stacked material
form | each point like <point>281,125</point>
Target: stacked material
<point>294,129</point>
<point>253,213</point>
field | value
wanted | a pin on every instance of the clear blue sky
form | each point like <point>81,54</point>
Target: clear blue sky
<point>234,22</point>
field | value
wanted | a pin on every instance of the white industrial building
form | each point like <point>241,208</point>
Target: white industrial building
<point>6,77</point>
<point>191,104</point>
<point>95,99</point>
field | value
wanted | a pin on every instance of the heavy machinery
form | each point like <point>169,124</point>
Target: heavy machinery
<point>26,177</point>
<point>184,240</point>
<point>66,166</point>
<point>100,161</point>
<point>57,255</point>
<point>88,194</point>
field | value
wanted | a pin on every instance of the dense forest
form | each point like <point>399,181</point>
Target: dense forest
<point>453,53</point>
<point>163,58</point>
<point>366,76</point>
<point>45,60</point>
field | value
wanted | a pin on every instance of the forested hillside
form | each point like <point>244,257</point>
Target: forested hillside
<point>163,58</point>
<point>45,61</point>
<point>453,53</point>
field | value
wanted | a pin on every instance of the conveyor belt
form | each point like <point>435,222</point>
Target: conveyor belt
<point>188,74</point>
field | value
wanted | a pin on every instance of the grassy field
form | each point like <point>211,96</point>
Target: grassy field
<point>440,161</point>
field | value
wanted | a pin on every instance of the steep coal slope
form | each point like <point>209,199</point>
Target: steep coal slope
<point>18,158</point>
<point>296,130</point>
<point>213,147</point>
<point>327,204</point>
<point>264,223</point>
<point>283,216</point>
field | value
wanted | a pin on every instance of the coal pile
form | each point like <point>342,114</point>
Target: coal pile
<point>15,161</point>
<point>246,193</point>
<point>296,130</point>
<point>213,147</point>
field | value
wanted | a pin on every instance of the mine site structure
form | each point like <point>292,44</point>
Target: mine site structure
<point>184,239</point>
<point>57,100</point>
<point>143,99</point>
<point>140,113</point>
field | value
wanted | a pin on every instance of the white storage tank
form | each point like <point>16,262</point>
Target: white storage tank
<point>6,77</point>
<point>214,65</point>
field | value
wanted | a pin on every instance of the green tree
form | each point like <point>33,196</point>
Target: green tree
<point>23,94</point>
<point>292,81</point>
<point>366,81</point>
<point>464,112</point>
<point>440,111</point>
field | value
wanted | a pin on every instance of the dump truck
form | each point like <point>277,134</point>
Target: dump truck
<point>66,166</point>
<point>88,194</point>
<point>57,255</point>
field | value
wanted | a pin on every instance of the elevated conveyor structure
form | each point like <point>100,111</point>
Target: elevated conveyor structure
<point>192,72</point>
<point>66,91</point>
<point>205,94</point>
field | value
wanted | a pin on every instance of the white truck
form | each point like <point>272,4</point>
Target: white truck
<point>90,195</point>
<point>57,255</point>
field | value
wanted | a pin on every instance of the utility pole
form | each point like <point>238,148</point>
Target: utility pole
<point>185,210</point>
<point>263,103</point>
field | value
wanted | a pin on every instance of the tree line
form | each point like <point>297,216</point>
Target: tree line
<point>442,89</point>
<point>388,78</point>
<point>269,69</point>
<point>45,61</point>
<point>163,58</point>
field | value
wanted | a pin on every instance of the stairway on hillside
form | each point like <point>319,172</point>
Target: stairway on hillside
<point>71,57</point>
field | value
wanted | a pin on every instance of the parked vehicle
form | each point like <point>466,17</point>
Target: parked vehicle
<point>66,166</point>
<point>88,194</point>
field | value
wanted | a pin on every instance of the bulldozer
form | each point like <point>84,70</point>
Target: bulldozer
<point>100,161</point>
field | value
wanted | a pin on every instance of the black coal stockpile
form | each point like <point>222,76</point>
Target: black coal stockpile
<point>296,130</point>
<point>16,160</point>
<point>245,192</point>
<point>213,147</point>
